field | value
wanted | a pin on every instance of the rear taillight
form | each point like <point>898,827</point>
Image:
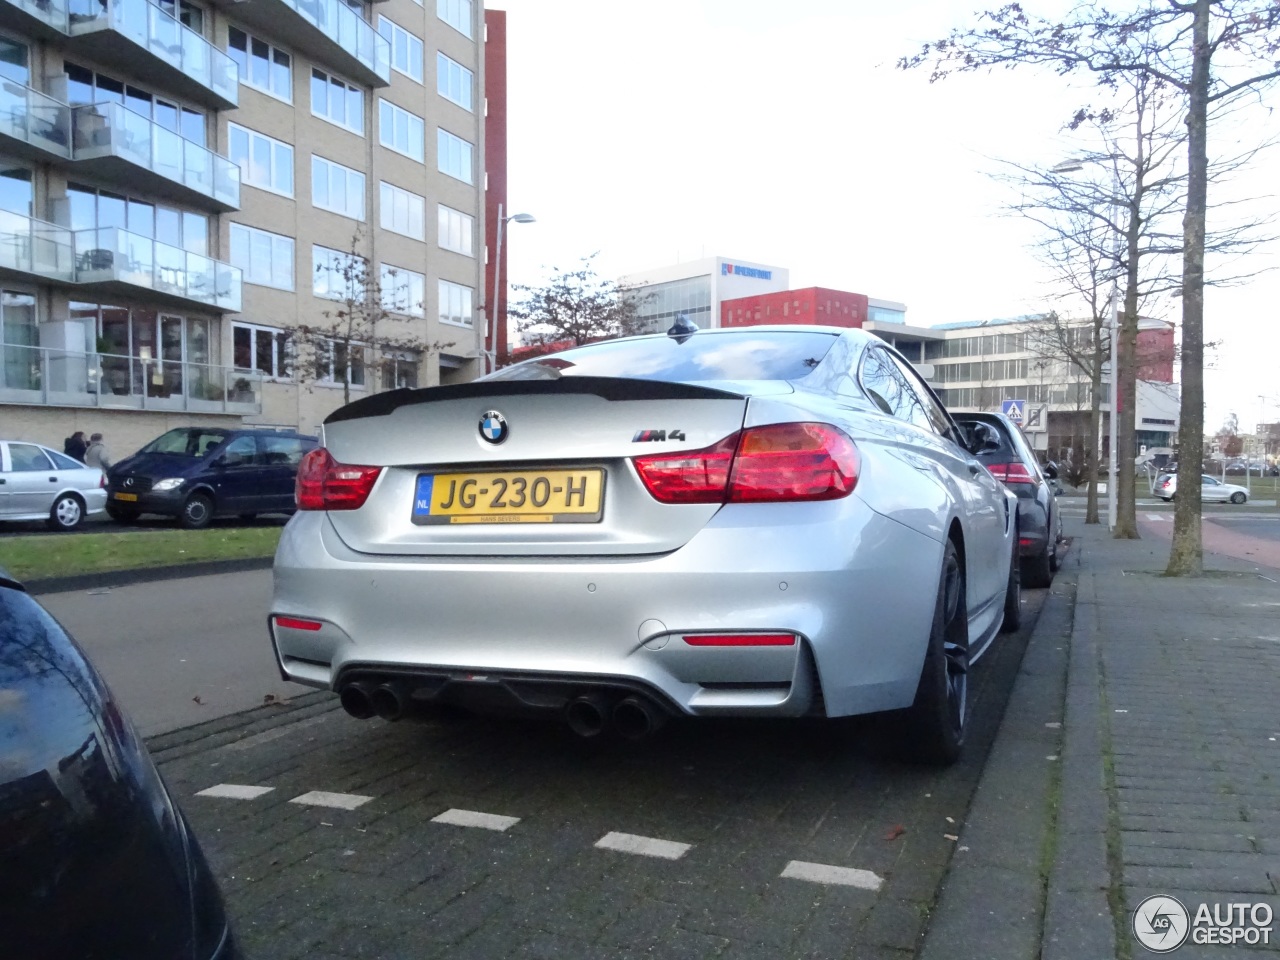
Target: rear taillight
<point>1016,472</point>
<point>325,484</point>
<point>770,464</point>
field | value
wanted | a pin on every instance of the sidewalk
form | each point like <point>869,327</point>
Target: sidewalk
<point>1139,755</point>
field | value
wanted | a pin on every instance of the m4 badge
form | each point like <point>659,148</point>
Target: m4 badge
<point>648,436</point>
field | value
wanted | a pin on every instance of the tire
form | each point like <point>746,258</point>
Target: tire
<point>934,725</point>
<point>1037,571</point>
<point>1013,597</point>
<point>66,513</point>
<point>122,514</point>
<point>1167,499</point>
<point>1054,560</point>
<point>1238,497</point>
<point>196,512</point>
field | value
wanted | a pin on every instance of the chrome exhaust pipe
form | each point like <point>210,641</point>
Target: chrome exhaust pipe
<point>387,702</point>
<point>354,698</point>
<point>636,718</point>
<point>587,716</point>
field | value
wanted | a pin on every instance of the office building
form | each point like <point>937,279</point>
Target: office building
<point>697,289</point>
<point>193,195</point>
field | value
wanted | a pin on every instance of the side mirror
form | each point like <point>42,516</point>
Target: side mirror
<point>1051,470</point>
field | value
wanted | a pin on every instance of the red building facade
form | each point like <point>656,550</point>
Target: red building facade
<point>836,308</point>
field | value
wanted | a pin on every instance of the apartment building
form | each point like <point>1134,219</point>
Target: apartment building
<point>192,193</point>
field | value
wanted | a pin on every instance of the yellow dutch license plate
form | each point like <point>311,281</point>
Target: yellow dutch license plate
<point>521,496</point>
<point>131,497</point>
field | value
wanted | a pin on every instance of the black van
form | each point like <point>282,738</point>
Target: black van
<point>197,473</point>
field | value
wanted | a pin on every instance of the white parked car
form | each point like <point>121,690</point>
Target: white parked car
<point>37,483</point>
<point>1211,489</point>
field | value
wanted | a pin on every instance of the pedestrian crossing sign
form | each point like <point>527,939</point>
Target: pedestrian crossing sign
<point>1015,410</point>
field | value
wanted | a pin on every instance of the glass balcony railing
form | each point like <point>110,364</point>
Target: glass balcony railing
<point>31,117</point>
<point>110,253</point>
<point>44,375</point>
<point>348,30</point>
<point>110,129</point>
<point>52,13</point>
<point>155,31</point>
<point>32,246</point>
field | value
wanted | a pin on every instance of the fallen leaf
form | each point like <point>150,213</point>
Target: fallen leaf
<point>895,832</point>
<point>949,820</point>
<point>196,699</point>
<point>269,698</point>
<point>950,836</point>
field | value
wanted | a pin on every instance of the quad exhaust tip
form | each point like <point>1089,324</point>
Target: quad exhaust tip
<point>388,702</point>
<point>587,716</point>
<point>635,718</point>
<point>355,699</point>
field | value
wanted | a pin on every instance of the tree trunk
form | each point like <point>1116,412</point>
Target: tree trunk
<point>1127,393</point>
<point>1186,556</point>
<point>1095,421</point>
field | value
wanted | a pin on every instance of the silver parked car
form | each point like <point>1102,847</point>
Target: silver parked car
<point>765,521</point>
<point>1212,490</point>
<point>37,483</point>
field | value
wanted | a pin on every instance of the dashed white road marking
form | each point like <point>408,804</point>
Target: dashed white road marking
<point>824,873</point>
<point>235,791</point>
<point>472,818</point>
<point>644,846</point>
<point>1158,517</point>
<point>340,801</point>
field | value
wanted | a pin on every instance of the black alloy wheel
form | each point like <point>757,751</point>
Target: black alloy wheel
<point>196,512</point>
<point>936,722</point>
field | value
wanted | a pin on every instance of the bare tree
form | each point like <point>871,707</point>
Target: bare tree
<point>575,307</point>
<point>375,328</point>
<point>1208,53</point>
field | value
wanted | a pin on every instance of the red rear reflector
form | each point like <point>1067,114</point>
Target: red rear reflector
<point>293,623</point>
<point>1024,542</point>
<point>741,640</point>
<point>1016,472</point>
<point>325,484</point>
<point>775,463</point>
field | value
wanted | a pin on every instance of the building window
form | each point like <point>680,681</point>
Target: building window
<point>454,156</point>
<point>337,101</point>
<point>403,212</point>
<point>339,362</point>
<point>453,81</point>
<point>401,130</point>
<point>262,66</point>
<point>266,258</point>
<point>456,231</point>
<point>400,370</point>
<point>336,275</point>
<point>264,162</point>
<point>403,291</point>
<point>406,49</point>
<point>91,208</point>
<point>457,14</point>
<point>336,188</point>
<point>455,303</point>
<point>265,350</point>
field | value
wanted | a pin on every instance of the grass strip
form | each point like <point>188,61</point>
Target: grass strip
<point>63,555</point>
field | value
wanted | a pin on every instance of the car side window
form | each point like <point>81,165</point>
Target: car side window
<point>279,451</point>
<point>880,382</point>
<point>938,421</point>
<point>240,452</point>
<point>62,462</point>
<point>27,457</point>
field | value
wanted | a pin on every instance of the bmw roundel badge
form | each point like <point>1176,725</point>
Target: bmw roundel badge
<point>493,426</point>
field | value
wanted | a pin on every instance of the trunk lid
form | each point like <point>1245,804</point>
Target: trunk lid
<point>566,441</point>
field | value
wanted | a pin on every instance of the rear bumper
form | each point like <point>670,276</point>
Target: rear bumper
<point>1033,528</point>
<point>854,588</point>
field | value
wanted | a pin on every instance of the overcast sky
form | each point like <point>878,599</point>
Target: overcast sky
<point>782,133</point>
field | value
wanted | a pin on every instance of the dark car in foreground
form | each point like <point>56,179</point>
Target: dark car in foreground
<point>96,860</point>
<point>198,473</point>
<point>763,521</point>
<point>1039,522</point>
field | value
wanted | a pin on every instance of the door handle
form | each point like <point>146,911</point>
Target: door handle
<point>53,479</point>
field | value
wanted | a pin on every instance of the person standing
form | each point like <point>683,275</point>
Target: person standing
<point>75,446</point>
<point>96,454</point>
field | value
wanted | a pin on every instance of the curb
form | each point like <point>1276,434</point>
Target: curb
<point>127,578</point>
<point>992,904</point>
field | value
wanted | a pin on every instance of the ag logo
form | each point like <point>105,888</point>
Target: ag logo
<point>1161,924</point>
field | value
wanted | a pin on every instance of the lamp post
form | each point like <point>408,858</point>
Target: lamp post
<point>1071,166</point>
<point>491,355</point>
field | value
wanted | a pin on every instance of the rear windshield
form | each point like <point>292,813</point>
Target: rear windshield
<point>186,441</point>
<point>773,355</point>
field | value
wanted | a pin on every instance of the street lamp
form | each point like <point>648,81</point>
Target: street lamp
<point>490,354</point>
<point>1072,166</point>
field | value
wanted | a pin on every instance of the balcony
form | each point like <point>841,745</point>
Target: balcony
<point>62,378</point>
<point>157,47</point>
<point>327,31</point>
<point>132,149</point>
<point>117,261</point>
<point>33,126</point>
<point>32,247</point>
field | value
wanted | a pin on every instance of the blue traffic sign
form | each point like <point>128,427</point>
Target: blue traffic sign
<point>1015,410</point>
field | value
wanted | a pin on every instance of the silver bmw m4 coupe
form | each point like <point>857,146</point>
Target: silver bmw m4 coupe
<point>761,521</point>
